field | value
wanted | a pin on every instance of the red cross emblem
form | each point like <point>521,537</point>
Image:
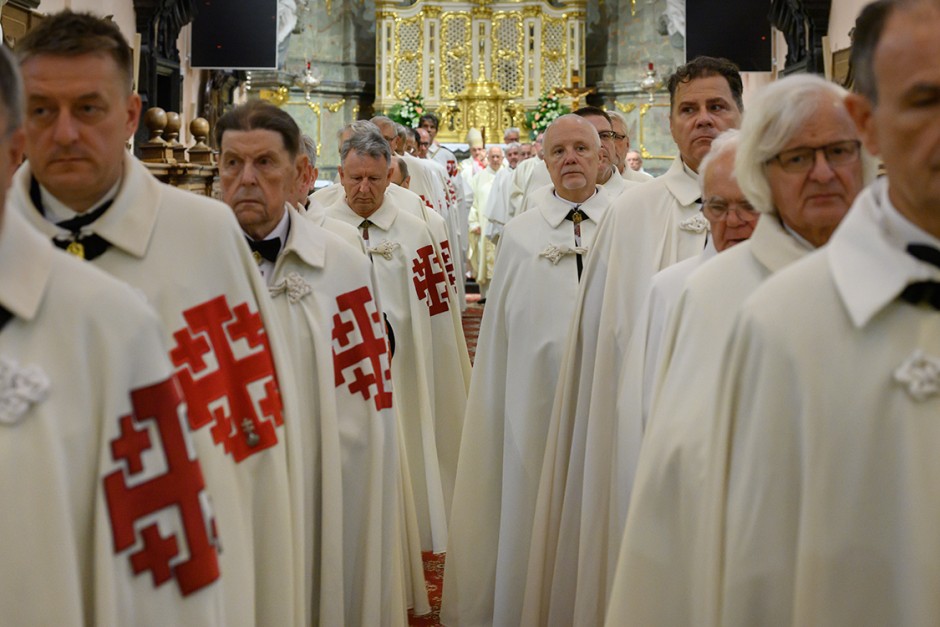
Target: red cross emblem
<point>224,366</point>
<point>358,338</point>
<point>429,280</point>
<point>160,479</point>
<point>448,262</point>
<point>427,202</point>
<point>451,168</point>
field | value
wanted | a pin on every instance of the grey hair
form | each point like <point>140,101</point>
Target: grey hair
<point>381,120</point>
<point>778,113</point>
<point>402,131</point>
<point>581,120</point>
<point>513,145</point>
<point>310,149</point>
<point>357,126</point>
<point>402,167</point>
<point>11,90</point>
<point>619,116</point>
<point>369,143</point>
<point>512,129</point>
<point>721,145</point>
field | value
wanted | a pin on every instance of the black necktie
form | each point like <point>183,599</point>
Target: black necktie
<point>577,216</point>
<point>83,246</point>
<point>264,249</point>
<point>924,291</point>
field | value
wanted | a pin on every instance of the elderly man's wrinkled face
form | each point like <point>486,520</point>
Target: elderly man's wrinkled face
<point>80,113</point>
<point>731,216</point>
<point>904,127</point>
<point>411,144</point>
<point>478,153</point>
<point>494,157</point>
<point>813,189</point>
<point>703,109</point>
<point>621,141</point>
<point>510,137</point>
<point>424,142</point>
<point>365,180</point>
<point>397,177</point>
<point>606,133</point>
<point>258,176</point>
<point>634,160</point>
<point>572,155</point>
<point>390,133</point>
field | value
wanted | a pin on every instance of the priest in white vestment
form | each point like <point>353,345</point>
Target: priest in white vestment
<point>428,377</point>
<point>185,253</point>
<point>324,299</point>
<point>838,356</point>
<point>482,250</point>
<point>607,175</point>
<point>90,417</point>
<point>538,269</point>
<point>667,570</point>
<point>618,123</point>
<point>650,226</point>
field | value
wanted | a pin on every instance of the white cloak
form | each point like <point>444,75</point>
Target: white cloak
<point>666,573</point>
<point>508,410</point>
<point>89,418</point>
<point>428,369</point>
<point>316,213</point>
<point>187,255</point>
<point>830,406</point>
<point>498,211</point>
<point>324,297</point>
<point>529,176</point>
<point>482,251</point>
<point>649,227</point>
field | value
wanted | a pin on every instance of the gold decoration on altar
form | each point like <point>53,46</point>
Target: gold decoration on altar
<point>644,152</point>
<point>477,63</point>
<point>625,108</point>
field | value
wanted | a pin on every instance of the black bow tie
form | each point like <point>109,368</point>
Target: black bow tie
<point>576,215</point>
<point>83,246</point>
<point>5,316</point>
<point>265,249</point>
<point>924,291</point>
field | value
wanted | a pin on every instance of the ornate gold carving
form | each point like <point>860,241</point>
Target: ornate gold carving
<point>506,59</point>
<point>277,98</point>
<point>455,53</point>
<point>336,106</point>
<point>625,108</point>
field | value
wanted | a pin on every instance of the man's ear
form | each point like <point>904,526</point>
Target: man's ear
<point>862,111</point>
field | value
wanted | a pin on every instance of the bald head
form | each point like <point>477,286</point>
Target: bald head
<point>572,150</point>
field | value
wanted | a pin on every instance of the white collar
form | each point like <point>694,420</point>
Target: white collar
<point>867,256</point>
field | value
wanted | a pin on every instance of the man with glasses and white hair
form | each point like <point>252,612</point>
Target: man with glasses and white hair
<point>89,426</point>
<point>618,124</point>
<point>831,393</point>
<point>800,164</point>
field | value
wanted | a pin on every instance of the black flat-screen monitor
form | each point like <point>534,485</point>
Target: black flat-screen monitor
<point>738,30</point>
<point>235,34</point>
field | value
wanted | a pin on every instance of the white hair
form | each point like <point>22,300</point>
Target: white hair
<point>614,114</point>
<point>721,145</point>
<point>778,113</point>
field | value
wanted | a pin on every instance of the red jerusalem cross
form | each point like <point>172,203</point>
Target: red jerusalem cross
<point>179,487</point>
<point>448,261</point>
<point>219,391</point>
<point>429,280</point>
<point>359,316</point>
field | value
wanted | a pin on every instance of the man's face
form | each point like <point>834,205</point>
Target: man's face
<point>634,160</point>
<point>813,203</point>
<point>604,130</point>
<point>424,142</point>
<point>510,137</point>
<point>478,153</point>
<point>494,157</point>
<point>308,183</point>
<point>513,156</point>
<point>428,125</point>
<point>79,115</point>
<point>720,189</point>
<point>621,141</point>
<point>411,144</point>
<point>365,180</point>
<point>704,108</point>
<point>258,176</point>
<point>11,153</point>
<point>527,151</point>
<point>390,134</point>
<point>572,156</point>
<point>904,127</point>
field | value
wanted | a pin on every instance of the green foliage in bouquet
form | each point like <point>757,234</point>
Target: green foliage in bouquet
<point>548,108</point>
<point>409,111</point>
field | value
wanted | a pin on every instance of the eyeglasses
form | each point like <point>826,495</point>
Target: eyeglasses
<point>802,159</point>
<point>607,134</point>
<point>718,210</point>
<point>618,136</point>
<point>424,143</point>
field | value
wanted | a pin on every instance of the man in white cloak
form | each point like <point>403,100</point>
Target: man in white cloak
<point>428,375</point>
<point>482,250</point>
<point>805,201</point>
<point>650,227</point>
<point>186,255</point>
<point>78,440</point>
<point>618,122</point>
<point>538,268</point>
<point>831,395</point>
<point>324,299</point>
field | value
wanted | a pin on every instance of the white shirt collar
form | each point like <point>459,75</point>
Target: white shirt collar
<point>280,232</point>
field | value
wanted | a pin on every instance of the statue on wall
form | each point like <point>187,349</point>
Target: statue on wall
<point>286,21</point>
